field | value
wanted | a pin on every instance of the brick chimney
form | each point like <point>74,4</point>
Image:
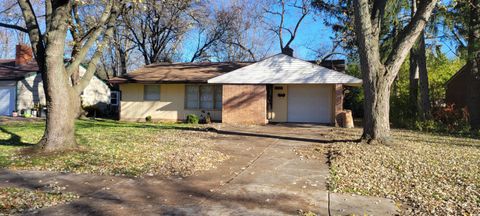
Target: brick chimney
<point>23,55</point>
<point>287,51</point>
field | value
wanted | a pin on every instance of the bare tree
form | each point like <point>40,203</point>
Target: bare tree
<point>157,27</point>
<point>211,30</point>
<point>231,32</point>
<point>379,75</point>
<point>247,38</point>
<point>63,93</point>
<point>116,60</point>
<point>304,6</point>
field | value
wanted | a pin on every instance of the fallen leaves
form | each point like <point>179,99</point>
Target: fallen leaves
<point>121,149</point>
<point>16,200</point>
<point>429,174</point>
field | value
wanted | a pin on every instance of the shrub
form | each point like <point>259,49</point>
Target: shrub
<point>192,119</point>
<point>148,118</point>
<point>92,111</point>
<point>453,119</point>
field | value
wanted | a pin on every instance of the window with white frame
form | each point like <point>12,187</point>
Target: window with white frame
<point>206,97</point>
<point>151,92</point>
<point>114,98</point>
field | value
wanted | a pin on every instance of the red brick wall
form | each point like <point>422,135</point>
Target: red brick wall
<point>23,55</point>
<point>338,102</point>
<point>244,104</point>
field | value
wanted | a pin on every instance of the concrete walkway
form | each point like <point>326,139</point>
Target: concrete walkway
<point>263,176</point>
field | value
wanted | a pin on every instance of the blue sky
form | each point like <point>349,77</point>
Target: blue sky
<point>312,35</point>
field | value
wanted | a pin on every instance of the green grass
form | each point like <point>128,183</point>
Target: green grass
<point>112,148</point>
<point>427,174</point>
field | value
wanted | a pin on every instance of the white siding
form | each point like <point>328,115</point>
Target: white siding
<point>30,92</point>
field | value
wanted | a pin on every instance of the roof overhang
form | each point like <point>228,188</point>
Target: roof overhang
<point>283,69</point>
<point>124,81</point>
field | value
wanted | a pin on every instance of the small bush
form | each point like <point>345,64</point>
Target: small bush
<point>452,119</point>
<point>92,111</point>
<point>192,119</point>
<point>148,118</point>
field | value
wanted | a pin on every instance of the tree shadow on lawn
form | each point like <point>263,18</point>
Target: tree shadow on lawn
<point>99,123</point>
<point>187,127</point>
<point>150,195</point>
<point>15,140</point>
<point>302,139</point>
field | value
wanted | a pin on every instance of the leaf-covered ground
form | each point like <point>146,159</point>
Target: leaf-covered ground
<point>114,148</point>
<point>15,200</point>
<point>424,173</point>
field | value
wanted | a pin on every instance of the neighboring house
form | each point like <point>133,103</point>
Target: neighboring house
<point>277,89</point>
<point>21,85</point>
<point>457,88</point>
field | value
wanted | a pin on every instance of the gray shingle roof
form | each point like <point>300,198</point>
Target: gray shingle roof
<point>284,69</point>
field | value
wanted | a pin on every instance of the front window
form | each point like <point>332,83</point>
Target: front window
<point>206,97</point>
<point>114,98</point>
<point>151,93</point>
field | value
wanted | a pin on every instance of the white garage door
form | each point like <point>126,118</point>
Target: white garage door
<point>7,100</point>
<point>309,103</point>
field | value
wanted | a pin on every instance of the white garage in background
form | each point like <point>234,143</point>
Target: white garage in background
<point>295,90</point>
<point>309,103</point>
<point>7,98</point>
<point>21,86</point>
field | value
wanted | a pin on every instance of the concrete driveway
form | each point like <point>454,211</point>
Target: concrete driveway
<point>264,176</point>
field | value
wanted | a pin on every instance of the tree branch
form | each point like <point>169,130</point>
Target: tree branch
<point>378,11</point>
<point>296,29</point>
<point>92,65</point>
<point>16,27</point>
<point>82,53</point>
<point>407,37</point>
<point>34,32</point>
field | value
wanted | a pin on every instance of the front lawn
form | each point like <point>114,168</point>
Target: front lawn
<point>424,173</point>
<point>114,148</point>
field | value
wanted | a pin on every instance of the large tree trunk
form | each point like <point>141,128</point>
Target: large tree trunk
<point>474,65</point>
<point>123,62</point>
<point>413,83</point>
<point>425,106</point>
<point>376,125</point>
<point>413,77</point>
<point>378,76</point>
<point>419,78</point>
<point>60,125</point>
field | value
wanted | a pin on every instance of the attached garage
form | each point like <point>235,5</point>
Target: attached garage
<point>296,91</point>
<point>309,104</point>
<point>7,98</point>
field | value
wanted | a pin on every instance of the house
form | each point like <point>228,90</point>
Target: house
<point>21,85</point>
<point>280,88</point>
<point>457,88</point>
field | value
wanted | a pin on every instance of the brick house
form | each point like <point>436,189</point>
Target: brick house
<point>280,88</point>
